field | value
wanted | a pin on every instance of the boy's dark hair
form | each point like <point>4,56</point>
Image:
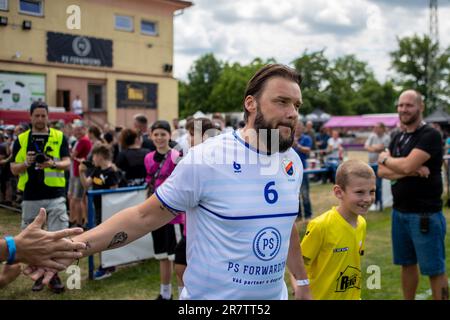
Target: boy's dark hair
<point>127,138</point>
<point>103,150</point>
<point>204,123</point>
<point>350,169</point>
<point>256,84</point>
<point>38,104</point>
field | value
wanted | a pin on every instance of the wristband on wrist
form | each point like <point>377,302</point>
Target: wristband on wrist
<point>11,245</point>
<point>26,164</point>
<point>302,282</point>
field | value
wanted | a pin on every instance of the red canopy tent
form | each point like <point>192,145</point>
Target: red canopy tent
<point>16,117</point>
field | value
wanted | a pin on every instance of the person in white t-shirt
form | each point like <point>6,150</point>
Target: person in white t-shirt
<point>241,202</point>
<point>335,148</point>
<point>77,106</point>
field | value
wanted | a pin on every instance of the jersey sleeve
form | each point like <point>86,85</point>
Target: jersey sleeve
<point>311,243</point>
<point>182,188</point>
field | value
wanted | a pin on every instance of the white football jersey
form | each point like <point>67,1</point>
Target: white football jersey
<point>240,208</point>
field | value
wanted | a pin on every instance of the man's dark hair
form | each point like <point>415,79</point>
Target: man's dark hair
<point>38,104</point>
<point>141,119</point>
<point>256,84</point>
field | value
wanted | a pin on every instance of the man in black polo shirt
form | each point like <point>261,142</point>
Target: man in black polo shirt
<point>413,163</point>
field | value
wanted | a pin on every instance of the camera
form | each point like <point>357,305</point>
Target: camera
<point>38,141</point>
<point>88,163</point>
<point>41,158</point>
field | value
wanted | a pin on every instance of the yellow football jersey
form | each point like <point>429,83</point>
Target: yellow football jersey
<point>332,250</point>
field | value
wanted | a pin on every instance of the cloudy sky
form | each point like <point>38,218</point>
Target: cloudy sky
<point>241,30</point>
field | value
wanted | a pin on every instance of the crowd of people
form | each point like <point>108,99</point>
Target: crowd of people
<point>205,200</point>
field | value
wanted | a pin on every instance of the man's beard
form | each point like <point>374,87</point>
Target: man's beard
<point>283,143</point>
<point>412,119</point>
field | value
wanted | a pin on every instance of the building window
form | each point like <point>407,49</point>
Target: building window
<point>33,7</point>
<point>149,28</point>
<point>124,23</point>
<point>4,5</point>
<point>95,97</point>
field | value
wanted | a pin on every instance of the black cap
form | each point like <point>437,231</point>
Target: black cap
<point>161,124</point>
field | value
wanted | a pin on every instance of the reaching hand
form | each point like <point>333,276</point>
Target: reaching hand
<point>9,273</point>
<point>38,247</point>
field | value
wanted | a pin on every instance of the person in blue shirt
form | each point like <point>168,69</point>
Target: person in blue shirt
<point>302,145</point>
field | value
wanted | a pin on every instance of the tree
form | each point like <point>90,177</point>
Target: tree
<point>228,92</point>
<point>411,61</point>
<point>348,77</point>
<point>202,77</point>
<point>314,68</point>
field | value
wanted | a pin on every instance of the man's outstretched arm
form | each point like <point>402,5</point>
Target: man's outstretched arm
<point>122,228</point>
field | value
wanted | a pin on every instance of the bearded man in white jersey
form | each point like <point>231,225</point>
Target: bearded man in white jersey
<point>239,191</point>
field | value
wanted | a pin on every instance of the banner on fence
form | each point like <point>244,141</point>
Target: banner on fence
<point>138,250</point>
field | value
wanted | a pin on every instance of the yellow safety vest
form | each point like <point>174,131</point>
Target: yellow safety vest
<point>52,177</point>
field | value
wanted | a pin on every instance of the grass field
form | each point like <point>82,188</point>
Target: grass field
<point>141,281</point>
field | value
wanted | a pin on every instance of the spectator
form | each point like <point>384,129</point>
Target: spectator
<point>131,158</point>
<point>309,130</point>
<point>413,164</point>
<point>103,176</point>
<point>159,165</point>
<point>302,145</point>
<point>334,242</point>
<point>79,153</point>
<point>41,155</point>
<point>77,106</point>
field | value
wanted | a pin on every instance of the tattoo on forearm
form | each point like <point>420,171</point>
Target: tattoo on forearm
<point>445,293</point>
<point>118,239</point>
<point>88,245</point>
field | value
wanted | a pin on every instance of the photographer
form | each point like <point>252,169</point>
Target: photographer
<point>40,157</point>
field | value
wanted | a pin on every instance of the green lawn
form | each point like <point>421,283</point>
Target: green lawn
<point>141,281</point>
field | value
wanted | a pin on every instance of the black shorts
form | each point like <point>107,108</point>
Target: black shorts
<point>180,252</point>
<point>165,240</point>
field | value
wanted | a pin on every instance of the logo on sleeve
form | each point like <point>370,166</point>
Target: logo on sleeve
<point>288,167</point>
<point>267,243</point>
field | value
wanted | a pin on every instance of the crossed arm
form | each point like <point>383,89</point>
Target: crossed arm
<point>397,168</point>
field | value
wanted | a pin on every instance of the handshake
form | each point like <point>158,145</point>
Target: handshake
<point>44,252</point>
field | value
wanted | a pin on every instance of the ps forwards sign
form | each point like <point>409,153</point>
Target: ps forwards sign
<point>80,50</point>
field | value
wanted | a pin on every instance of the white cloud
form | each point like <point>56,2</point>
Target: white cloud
<point>243,30</point>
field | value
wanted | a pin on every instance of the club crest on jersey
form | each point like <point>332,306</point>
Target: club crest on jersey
<point>288,167</point>
<point>267,243</point>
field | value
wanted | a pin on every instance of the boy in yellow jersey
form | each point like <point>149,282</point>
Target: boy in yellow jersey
<point>334,241</point>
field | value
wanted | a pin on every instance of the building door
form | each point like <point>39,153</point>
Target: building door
<point>63,99</point>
